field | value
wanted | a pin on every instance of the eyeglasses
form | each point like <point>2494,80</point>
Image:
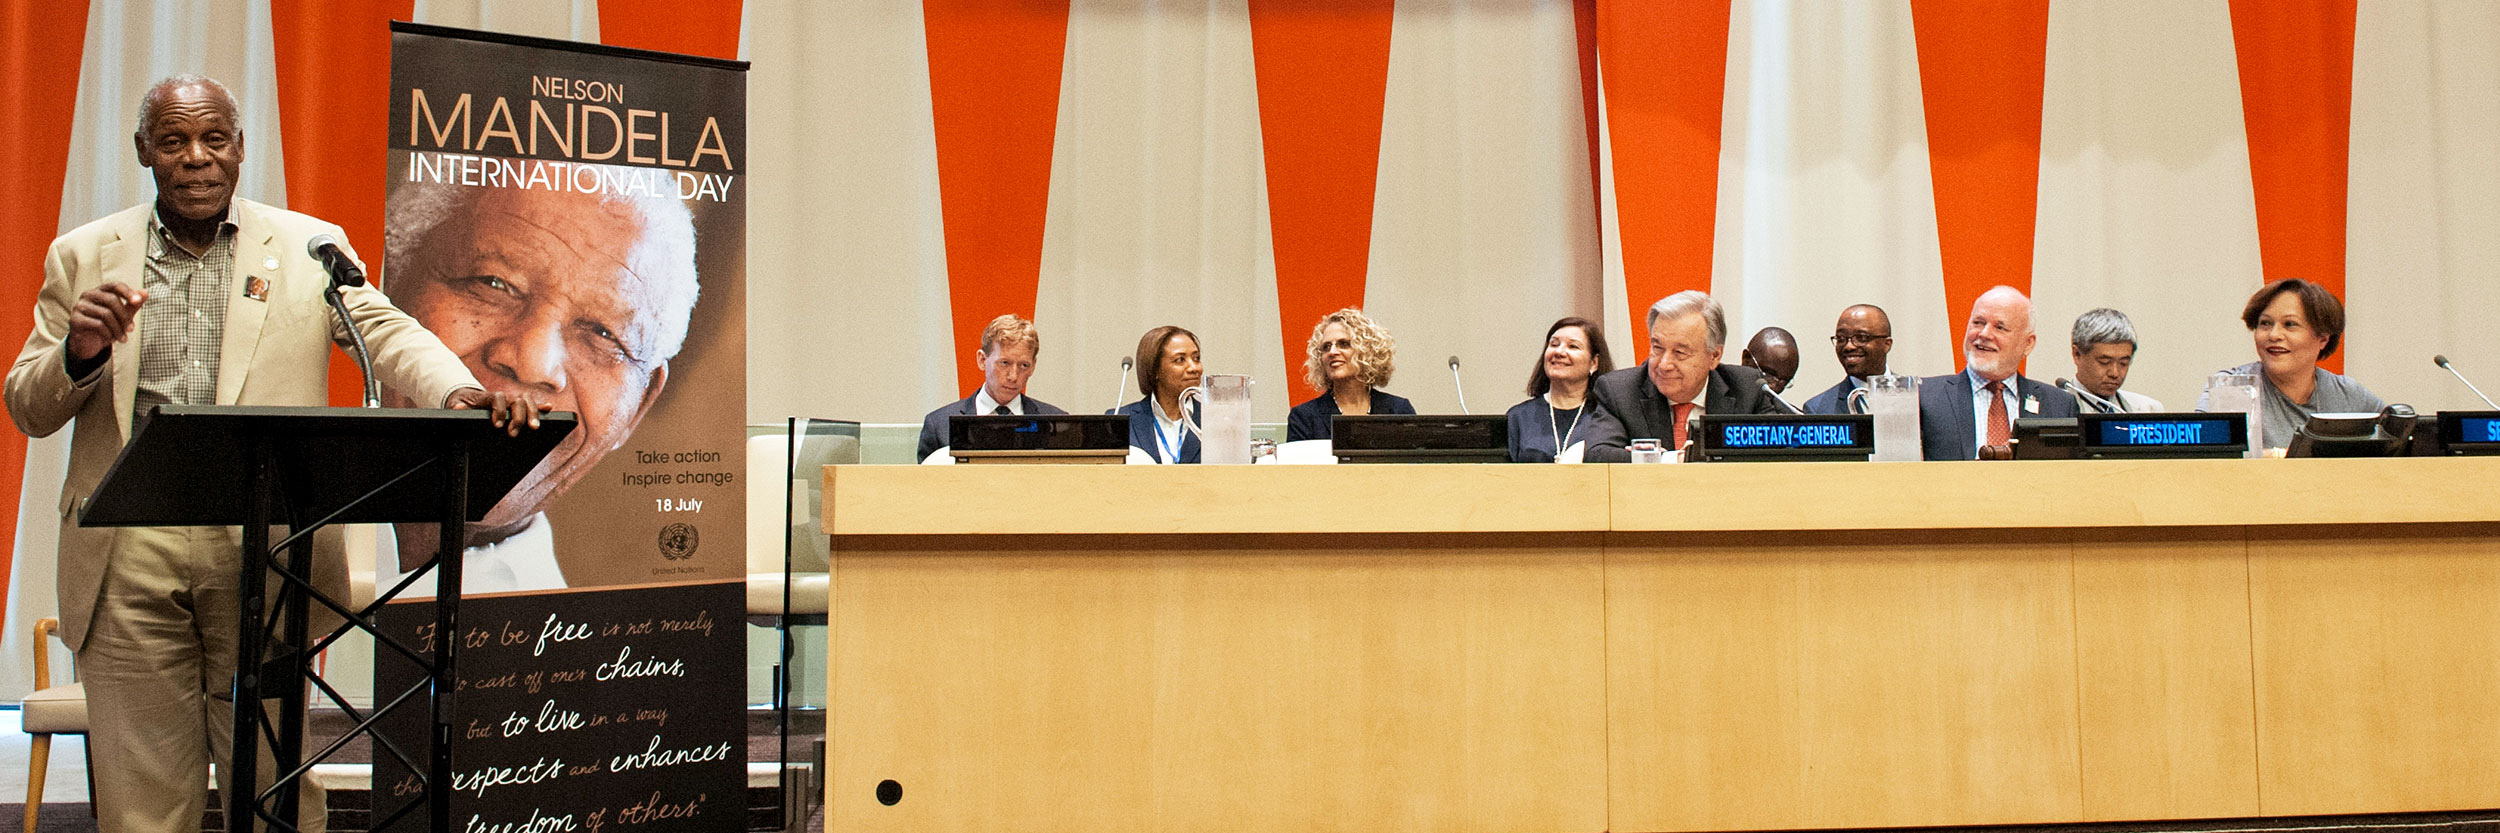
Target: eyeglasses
<point>1858,339</point>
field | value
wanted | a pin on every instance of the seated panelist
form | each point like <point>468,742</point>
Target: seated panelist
<point>1862,340</point>
<point>1683,376</point>
<point>2104,341</point>
<point>1350,357</point>
<point>1167,363</point>
<point>2295,324</point>
<point>1009,346</point>
<point>1773,351</point>
<point>1558,412</point>
<point>1962,413</point>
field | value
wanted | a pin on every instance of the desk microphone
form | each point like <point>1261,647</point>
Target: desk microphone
<point>2103,405</point>
<point>2442,361</point>
<point>1462,388</point>
<point>1764,382</point>
<point>1126,364</point>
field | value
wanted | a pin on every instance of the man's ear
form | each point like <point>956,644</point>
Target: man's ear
<point>650,396</point>
<point>139,144</point>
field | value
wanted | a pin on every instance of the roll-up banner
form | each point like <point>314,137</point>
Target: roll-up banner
<point>571,220</point>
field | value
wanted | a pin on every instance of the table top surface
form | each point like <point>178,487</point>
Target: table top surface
<point>1079,499</point>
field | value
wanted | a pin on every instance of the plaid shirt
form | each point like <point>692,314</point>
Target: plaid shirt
<point>184,319</point>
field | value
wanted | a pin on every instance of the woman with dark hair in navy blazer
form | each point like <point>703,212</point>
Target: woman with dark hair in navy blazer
<point>1559,411</point>
<point>1167,363</point>
<point>1350,356</point>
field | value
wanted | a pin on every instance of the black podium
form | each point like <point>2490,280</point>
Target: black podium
<point>306,468</point>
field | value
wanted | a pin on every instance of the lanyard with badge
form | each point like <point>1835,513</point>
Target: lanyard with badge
<point>1170,446</point>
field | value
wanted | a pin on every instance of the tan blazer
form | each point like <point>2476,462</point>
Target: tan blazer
<point>276,352</point>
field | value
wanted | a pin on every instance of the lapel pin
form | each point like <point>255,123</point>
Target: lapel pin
<point>256,288</point>
<point>2031,404</point>
<point>270,263</point>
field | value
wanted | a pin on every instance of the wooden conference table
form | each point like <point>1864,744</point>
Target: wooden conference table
<point>1637,648</point>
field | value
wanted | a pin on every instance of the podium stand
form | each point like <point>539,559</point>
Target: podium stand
<point>306,468</point>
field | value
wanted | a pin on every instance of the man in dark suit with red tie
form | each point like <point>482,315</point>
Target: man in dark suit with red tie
<point>1687,333</point>
<point>1009,346</point>
<point>1963,413</point>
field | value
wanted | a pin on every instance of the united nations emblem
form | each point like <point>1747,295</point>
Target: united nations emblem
<point>677,541</point>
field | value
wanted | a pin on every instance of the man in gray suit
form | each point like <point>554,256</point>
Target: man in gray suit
<point>1009,346</point>
<point>1961,414</point>
<point>1683,376</point>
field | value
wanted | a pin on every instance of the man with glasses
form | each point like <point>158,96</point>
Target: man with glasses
<point>1863,341</point>
<point>1683,376</point>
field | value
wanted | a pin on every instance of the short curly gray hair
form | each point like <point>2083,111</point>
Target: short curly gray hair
<point>159,91</point>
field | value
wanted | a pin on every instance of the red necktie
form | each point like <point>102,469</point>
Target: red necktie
<point>2000,430</point>
<point>1682,412</point>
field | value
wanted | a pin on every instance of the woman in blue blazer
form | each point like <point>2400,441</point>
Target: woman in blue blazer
<point>1167,363</point>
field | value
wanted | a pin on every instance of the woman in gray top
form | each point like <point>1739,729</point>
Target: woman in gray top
<point>2296,323</point>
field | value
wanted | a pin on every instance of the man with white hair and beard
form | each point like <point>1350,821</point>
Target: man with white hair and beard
<point>579,299</point>
<point>1970,415</point>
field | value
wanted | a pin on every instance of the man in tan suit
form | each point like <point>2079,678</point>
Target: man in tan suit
<point>196,298</point>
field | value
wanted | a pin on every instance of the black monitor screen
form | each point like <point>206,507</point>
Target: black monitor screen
<point>1038,432</point>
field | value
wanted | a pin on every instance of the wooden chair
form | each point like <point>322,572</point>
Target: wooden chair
<point>49,711</point>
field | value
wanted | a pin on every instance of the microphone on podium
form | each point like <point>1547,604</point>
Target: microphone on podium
<point>342,269</point>
<point>343,273</point>
<point>1126,364</point>
<point>1460,387</point>
<point>2442,361</point>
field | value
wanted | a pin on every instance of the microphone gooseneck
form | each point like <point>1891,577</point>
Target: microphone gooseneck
<point>324,249</point>
<point>2088,398</point>
<point>1764,382</point>
<point>1458,386</point>
<point>1120,397</point>
<point>2442,361</point>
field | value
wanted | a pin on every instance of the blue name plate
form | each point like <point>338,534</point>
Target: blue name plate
<point>2478,430</point>
<point>2161,434</point>
<point>2470,432</point>
<point>1787,436</point>
<point>1792,435</point>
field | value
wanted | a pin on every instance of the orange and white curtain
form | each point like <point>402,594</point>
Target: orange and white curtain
<point>1467,170</point>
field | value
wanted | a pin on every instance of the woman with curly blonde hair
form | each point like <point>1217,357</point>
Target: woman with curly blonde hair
<point>1350,358</point>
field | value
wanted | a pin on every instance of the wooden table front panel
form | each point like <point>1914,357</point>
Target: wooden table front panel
<point>1614,648</point>
<point>2162,668</point>
<point>1088,683</point>
<point>1840,680</point>
<point>2377,667</point>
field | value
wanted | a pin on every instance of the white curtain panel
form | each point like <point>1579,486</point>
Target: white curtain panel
<point>1825,198</point>
<point>2146,204</point>
<point>1158,204</point>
